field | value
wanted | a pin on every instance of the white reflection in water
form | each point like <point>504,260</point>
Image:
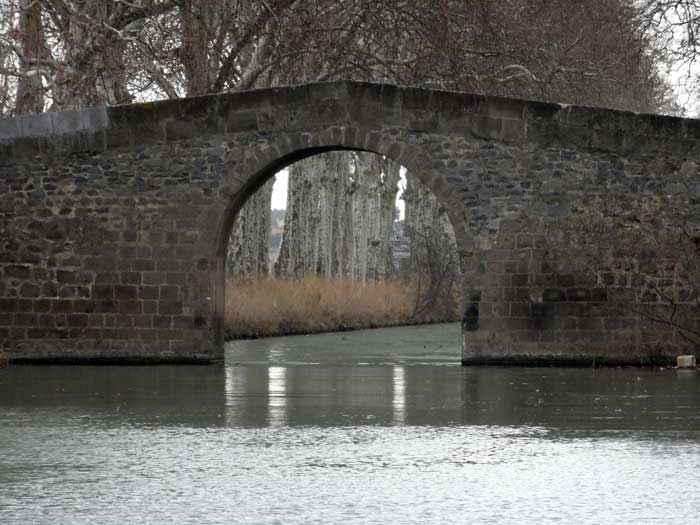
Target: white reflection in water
<point>277,395</point>
<point>234,385</point>
<point>399,399</point>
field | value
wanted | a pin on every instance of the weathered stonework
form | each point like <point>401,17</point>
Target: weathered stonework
<point>114,221</point>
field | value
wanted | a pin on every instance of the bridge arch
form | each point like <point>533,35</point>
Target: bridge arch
<point>260,165</point>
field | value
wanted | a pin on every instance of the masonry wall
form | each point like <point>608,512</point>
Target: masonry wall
<point>113,221</point>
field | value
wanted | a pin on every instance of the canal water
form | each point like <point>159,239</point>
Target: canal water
<point>379,426</point>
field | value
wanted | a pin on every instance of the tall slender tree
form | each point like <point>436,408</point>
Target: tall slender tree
<point>30,89</point>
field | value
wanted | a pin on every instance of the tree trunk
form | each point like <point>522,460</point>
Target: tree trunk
<point>328,183</point>
<point>193,51</point>
<point>340,204</point>
<point>312,170</point>
<point>291,263</point>
<point>94,69</point>
<point>391,174</point>
<point>249,244</point>
<point>30,91</point>
<point>361,209</point>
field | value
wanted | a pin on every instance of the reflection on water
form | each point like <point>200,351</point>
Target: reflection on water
<point>277,396</point>
<point>612,399</point>
<point>398,401</point>
<point>381,426</point>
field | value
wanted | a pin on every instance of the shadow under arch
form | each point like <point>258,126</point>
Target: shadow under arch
<point>264,164</point>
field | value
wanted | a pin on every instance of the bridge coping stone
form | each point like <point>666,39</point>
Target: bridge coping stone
<point>493,118</point>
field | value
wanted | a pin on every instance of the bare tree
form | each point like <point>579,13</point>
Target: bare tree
<point>433,267</point>
<point>674,25</point>
<point>589,52</point>
<point>434,272</point>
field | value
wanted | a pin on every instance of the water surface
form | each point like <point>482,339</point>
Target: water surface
<point>362,427</point>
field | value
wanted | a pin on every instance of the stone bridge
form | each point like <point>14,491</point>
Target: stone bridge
<point>114,221</point>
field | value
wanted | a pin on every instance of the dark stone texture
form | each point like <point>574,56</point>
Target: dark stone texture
<point>91,274</point>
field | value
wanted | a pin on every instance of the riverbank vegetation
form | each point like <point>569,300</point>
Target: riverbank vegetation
<point>262,306</point>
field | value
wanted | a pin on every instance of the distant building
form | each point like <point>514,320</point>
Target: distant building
<point>400,245</point>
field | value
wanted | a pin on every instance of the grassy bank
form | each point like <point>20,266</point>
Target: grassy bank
<point>264,307</point>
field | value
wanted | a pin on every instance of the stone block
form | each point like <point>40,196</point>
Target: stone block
<point>66,122</point>
<point>132,278</point>
<point>169,307</point>
<point>146,335</point>
<point>182,322</point>
<point>163,322</point>
<point>83,306</point>
<point>96,320</point>
<point>143,265</point>
<point>486,127</point>
<point>553,295</point>
<point>8,305</point>
<point>78,320</point>
<point>148,292</point>
<point>39,125</point>
<point>103,292</point>
<point>61,306</point>
<point>520,279</point>
<point>153,278</point>
<point>29,290</point>
<point>129,236</point>
<point>17,271</point>
<point>25,305</point>
<point>66,276</point>
<point>176,278</point>
<point>599,294</point>
<point>106,278</point>
<point>26,319</point>
<point>9,128</point>
<point>42,305</point>
<point>130,307</point>
<point>7,154</point>
<point>519,309</point>
<point>143,321</point>
<point>169,293</point>
<point>241,121</point>
<point>126,293</point>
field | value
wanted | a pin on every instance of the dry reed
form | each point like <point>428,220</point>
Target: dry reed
<point>263,307</point>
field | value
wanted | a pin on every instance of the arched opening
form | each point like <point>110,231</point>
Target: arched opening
<point>356,241</point>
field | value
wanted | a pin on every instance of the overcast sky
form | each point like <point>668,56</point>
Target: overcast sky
<point>279,191</point>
